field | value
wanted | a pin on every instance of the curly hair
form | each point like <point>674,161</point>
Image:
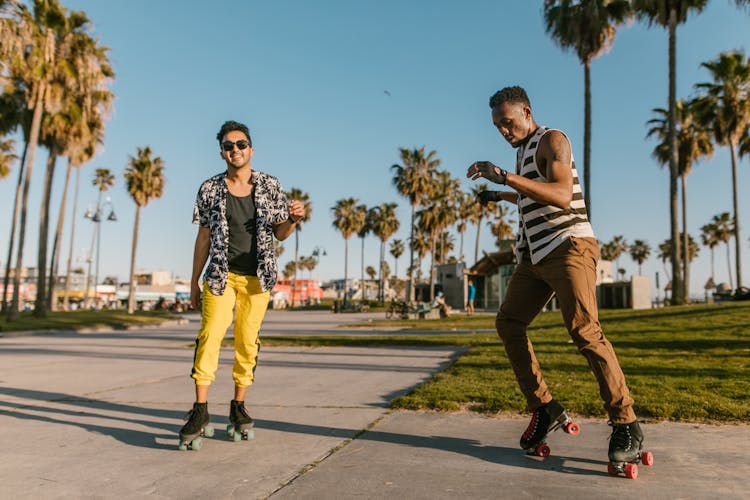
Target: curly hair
<point>231,125</point>
<point>510,94</point>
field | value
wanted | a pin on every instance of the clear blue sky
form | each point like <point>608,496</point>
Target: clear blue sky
<point>309,79</point>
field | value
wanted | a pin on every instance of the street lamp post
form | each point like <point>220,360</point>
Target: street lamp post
<point>96,218</point>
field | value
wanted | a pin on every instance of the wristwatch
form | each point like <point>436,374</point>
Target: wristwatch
<point>503,173</point>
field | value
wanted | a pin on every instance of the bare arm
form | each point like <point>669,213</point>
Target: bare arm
<point>200,255</point>
<point>554,159</point>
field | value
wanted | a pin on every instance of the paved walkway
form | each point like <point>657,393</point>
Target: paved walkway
<point>96,416</point>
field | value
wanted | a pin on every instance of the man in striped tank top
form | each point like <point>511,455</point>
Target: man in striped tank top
<point>557,254</point>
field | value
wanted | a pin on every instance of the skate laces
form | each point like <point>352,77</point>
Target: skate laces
<point>621,438</point>
<point>531,429</point>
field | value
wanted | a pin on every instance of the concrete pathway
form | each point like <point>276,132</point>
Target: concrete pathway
<point>96,416</point>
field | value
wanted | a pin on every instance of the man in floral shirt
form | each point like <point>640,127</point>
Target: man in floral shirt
<point>239,212</point>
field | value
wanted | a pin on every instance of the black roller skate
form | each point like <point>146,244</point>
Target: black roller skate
<point>545,419</point>
<point>625,445</point>
<point>196,426</point>
<point>241,426</point>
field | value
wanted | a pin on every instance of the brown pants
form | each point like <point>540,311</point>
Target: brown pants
<point>570,272</point>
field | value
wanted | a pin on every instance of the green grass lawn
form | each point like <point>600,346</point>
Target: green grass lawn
<point>689,363</point>
<point>76,320</point>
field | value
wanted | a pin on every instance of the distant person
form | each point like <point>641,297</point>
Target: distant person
<point>239,212</point>
<point>471,292</point>
<point>439,303</point>
<point>557,254</point>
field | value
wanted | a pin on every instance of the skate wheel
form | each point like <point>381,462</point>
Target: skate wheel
<point>197,444</point>
<point>249,434</point>
<point>572,428</point>
<point>611,469</point>
<point>182,446</point>
<point>230,431</point>
<point>647,458</point>
<point>543,450</point>
<point>236,436</point>
<point>209,431</point>
<point>631,471</point>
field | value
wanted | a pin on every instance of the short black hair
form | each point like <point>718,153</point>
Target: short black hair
<point>231,125</point>
<point>509,94</point>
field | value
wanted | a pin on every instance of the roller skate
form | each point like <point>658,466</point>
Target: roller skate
<point>241,425</point>
<point>545,419</point>
<point>625,445</point>
<point>196,427</point>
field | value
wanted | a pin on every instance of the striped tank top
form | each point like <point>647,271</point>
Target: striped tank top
<point>542,228</point>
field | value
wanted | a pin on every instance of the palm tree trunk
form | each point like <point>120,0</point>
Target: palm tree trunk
<point>346,268</point>
<point>296,261</point>
<point>735,206</point>
<point>381,288</point>
<point>41,304</point>
<point>36,123</point>
<point>461,252</point>
<point>677,295</point>
<point>476,247</point>
<point>66,299</point>
<point>432,266</point>
<point>362,263</point>
<point>55,258</point>
<point>410,269</point>
<point>587,137</point>
<point>729,266</point>
<point>685,247</point>
<point>16,203</point>
<point>131,281</point>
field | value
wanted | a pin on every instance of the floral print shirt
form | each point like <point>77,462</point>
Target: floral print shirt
<point>210,211</point>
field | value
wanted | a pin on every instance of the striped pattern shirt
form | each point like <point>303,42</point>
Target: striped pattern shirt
<point>542,228</point>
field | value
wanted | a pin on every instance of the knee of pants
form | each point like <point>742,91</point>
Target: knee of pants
<point>508,328</point>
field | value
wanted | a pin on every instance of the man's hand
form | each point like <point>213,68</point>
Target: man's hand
<point>195,297</point>
<point>486,169</point>
<point>296,210</point>
<point>487,196</point>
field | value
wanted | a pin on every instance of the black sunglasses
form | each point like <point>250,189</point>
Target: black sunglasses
<point>241,144</point>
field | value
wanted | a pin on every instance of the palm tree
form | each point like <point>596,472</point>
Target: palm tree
<point>364,221</point>
<point>587,27</point>
<point>445,245</point>
<point>397,250</point>
<point>500,227</point>
<point>7,157</point>
<point>692,249</point>
<point>103,180</point>
<point>384,222</point>
<point>486,210</point>
<point>693,142</point>
<point>639,252</point>
<point>621,246</point>
<point>414,181</point>
<point>724,226</point>
<point>37,35</point>
<point>145,181</point>
<point>710,239</point>
<point>346,219</point>
<point>304,198</point>
<point>724,106</point>
<point>668,14</point>
<point>422,245</point>
<point>468,209</point>
<point>81,148</point>
<point>665,255</point>
<point>290,269</point>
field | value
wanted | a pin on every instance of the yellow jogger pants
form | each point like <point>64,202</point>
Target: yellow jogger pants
<point>249,302</point>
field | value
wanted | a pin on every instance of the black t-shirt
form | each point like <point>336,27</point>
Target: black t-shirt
<point>243,243</point>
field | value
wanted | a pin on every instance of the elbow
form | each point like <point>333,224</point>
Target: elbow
<point>563,202</point>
